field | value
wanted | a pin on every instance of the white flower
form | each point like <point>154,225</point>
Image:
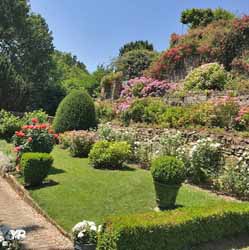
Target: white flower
<point>1,238</point>
<point>80,235</point>
<point>20,235</point>
<point>99,228</point>
<point>5,243</point>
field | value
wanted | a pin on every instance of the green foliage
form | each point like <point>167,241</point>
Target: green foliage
<point>105,111</point>
<point>143,110</point>
<point>80,143</point>
<point>171,117</point>
<point>13,89</point>
<point>205,161</point>
<point>133,63</point>
<point>35,167</point>
<point>207,76</point>
<point>9,124</point>
<point>40,115</point>
<point>110,155</point>
<point>75,112</point>
<point>137,45</point>
<point>235,177</point>
<point>168,170</point>
<point>165,230</point>
<point>202,17</point>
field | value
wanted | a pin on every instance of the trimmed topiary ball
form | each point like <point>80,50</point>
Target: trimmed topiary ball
<point>75,112</point>
<point>168,170</point>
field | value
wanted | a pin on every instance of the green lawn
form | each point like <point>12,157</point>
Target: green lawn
<point>80,192</point>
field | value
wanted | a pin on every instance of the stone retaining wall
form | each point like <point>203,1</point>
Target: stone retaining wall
<point>232,145</point>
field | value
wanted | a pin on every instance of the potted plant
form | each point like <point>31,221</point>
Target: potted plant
<point>168,174</point>
<point>85,235</point>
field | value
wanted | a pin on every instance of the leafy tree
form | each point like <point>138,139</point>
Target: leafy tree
<point>137,45</point>
<point>133,63</point>
<point>201,17</point>
<point>27,44</point>
<point>13,90</point>
<point>72,74</point>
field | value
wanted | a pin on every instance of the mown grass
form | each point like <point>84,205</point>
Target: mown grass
<point>76,192</point>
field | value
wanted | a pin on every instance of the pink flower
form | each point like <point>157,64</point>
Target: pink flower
<point>34,120</point>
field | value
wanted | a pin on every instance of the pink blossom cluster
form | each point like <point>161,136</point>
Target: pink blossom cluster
<point>149,87</point>
<point>243,111</point>
<point>121,107</point>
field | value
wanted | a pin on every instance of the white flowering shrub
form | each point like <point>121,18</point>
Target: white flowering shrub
<point>170,142</point>
<point>10,239</point>
<point>235,177</point>
<point>85,232</point>
<point>205,160</point>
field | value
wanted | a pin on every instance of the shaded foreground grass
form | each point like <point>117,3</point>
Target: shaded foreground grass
<point>77,192</point>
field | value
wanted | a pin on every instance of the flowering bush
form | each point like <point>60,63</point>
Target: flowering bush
<point>207,76</point>
<point>235,177</point>
<point>85,232</point>
<point>81,142</point>
<point>34,138</point>
<point>224,111</point>
<point>10,239</point>
<point>242,119</point>
<point>143,87</point>
<point>206,159</point>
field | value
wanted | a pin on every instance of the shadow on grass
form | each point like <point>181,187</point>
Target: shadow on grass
<point>54,171</point>
<point>159,209</point>
<point>47,183</point>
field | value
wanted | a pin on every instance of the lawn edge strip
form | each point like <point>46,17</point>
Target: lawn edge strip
<point>24,194</point>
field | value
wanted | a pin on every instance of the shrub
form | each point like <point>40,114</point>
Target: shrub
<point>235,178</point>
<point>35,138</point>
<point>8,124</point>
<point>176,229</point>
<point>80,143</point>
<point>172,116</point>
<point>144,87</point>
<point>111,155</point>
<point>206,159</point>
<point>85,232</point>
<point>143,110</point>
<point>35,167</point>
<point>75,112</point>
<point>40,115</point>
<point>64,140</point>
<point>168,170</point>
<point>105,111</point>
<point>224,112</point>
<point>207,76</point>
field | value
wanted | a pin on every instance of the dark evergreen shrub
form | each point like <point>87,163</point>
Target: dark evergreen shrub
<point>75,112</point>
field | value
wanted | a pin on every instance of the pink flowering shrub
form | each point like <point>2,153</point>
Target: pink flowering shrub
<point>242,119</point>
<point>144,87</point>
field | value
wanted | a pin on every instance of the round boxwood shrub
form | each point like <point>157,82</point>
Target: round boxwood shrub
<point>75,112</point>
<point>110,155</point>
<point>35,167</point>
<point>168,174</point>
<point>168,170</point>
<point>211,76</point>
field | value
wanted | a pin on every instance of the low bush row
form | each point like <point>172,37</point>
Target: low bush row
<point>174,230</point>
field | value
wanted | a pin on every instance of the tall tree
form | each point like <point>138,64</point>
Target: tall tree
<point>27,44</point>
<point>137,45</point>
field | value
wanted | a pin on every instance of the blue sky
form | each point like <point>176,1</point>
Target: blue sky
<point>94,30</point>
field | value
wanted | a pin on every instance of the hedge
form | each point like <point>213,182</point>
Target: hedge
<point>174,230</point>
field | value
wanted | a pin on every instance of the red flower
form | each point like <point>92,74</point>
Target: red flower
<point>30,139</point>
<point>25,127</point>
<point>56,136</point>
<point>43,126</point>
<point>34,120</point>
<point>18,149</point>
<point>19,134</point>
